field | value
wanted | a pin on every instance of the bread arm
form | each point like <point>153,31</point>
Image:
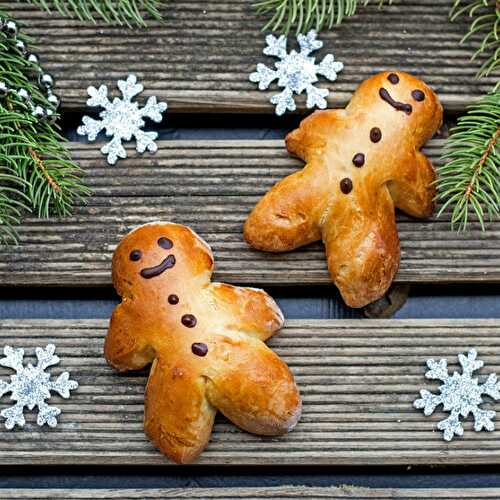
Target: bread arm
<point>126,347</point>
<point>249,310</point>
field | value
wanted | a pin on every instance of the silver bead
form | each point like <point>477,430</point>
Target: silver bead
<point>4,90</point>
<point>21,46</point>
<point>10,28</point>
<point>23,94</point>
<point>46,81</point>
<point>32,58</point>
<point>38,112</point>
<point>50,115</point>
<point>53,100</point>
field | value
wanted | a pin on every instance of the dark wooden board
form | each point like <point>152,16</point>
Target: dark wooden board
<point>282,492</point>
<point>200,58</point>
<point>212,186</point>
<point>358,379</point>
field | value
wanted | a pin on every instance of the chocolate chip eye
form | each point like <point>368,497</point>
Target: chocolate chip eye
<point>135,255</point>
<point>418,95</point>
<point>393,78</point>
<point>165,243</point>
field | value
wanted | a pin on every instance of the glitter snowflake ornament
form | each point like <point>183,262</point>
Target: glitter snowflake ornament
<point>296,72</point>
<point>122,119</point>
<point>30,386</point>
<point>460,395</point>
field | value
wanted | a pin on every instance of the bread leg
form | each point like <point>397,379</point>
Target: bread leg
<point>255,390</point>
<point>177,417</point>
<point>362,248</point>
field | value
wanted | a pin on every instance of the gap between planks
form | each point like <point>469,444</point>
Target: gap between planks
<point>254,493</point>
<point>200,57</point>
<point>212,186</point>
<point>358,379</point>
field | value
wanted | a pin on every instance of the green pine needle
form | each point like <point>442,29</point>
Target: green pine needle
<point>469,182</point>
<point>36,171</point>
<point>116,12</point>
<point>486,14</point>
<point>307,14</point>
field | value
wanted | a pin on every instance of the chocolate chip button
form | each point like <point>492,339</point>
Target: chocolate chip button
<point>393,78</point>
<point>358,159</point>
<point>173,299</point>
<point>418,95</point>
<point>188,320</point>
<point>199,348</point>
<point>375,134</point>
<point>346,185</point>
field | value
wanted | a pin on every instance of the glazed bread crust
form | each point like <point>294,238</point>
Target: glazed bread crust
<point>205,340</point>
<point>362,162</point>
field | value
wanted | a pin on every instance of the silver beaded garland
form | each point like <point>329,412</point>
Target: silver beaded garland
<point>45,80</point>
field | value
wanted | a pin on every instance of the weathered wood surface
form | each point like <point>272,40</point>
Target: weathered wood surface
<point>212,186</point>
<point>358,380</point>
<point>254,493</point>
<point>200,58</point>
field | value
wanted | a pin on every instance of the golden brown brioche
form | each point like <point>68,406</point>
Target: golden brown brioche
<point>205,340</point>
<point>362,161</point>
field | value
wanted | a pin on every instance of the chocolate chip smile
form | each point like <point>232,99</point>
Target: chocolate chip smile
<point>399,106</point>
<point>151,272</point>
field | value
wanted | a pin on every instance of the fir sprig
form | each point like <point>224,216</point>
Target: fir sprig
<point>307,14</point>
<point>470,179</point>
<point>486,22</point>
<point>36,171</point>
<point>118,12</point>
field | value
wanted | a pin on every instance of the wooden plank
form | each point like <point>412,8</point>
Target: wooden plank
<point>251,493</point>
<point>200,58</point>
<point>358,379</point>
<point>212,186</point>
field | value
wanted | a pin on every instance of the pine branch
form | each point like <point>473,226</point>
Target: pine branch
<point>36,171</point>
<point>116,12</point>
<point>486,24</point>
<point>470,179</point>
<point>307,14</point>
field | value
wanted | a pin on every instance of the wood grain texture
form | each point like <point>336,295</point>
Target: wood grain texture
<point>358,379</point>
<point>254,493</point>
<point>212,186</point>
<point>201,57</point>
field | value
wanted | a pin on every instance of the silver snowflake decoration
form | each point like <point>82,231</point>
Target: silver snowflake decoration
<point>296,72</point>
<point>122,119</point>
<point>30,386</point>
<point>460,395</point>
